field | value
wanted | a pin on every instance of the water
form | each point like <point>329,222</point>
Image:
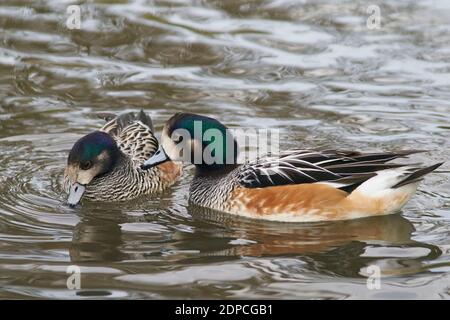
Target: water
<point>310,68</point>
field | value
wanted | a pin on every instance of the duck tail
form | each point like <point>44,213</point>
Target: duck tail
<point>389,190</point>
<point>396,178</point>
<point>116,124</point>
<point>417,175</point>
<point>145,119</point>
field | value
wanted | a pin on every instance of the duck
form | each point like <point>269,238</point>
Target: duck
<point>105,165</point>
<point>296,185</point>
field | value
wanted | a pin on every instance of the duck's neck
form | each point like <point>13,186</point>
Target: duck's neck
<point>210,188</point>
<point>122,161</point>
<point>124,181</point>
<point>122,165</point>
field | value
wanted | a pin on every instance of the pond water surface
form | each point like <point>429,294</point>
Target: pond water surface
<point>309,68</point>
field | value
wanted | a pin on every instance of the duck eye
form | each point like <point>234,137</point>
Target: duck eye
<point>86,165</point>
<point>178,139</point>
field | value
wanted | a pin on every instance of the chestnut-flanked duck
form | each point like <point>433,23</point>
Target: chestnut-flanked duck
<point>294,186</point>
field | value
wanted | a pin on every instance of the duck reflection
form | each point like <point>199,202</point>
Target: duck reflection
<point>96,240</point>
<point>341,248</point>
<point>99,236</point>
<point>207,236</point>
<point>273,238</point>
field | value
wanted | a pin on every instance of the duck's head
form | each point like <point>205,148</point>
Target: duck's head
<point>195,139</point>
<point>91,156</point>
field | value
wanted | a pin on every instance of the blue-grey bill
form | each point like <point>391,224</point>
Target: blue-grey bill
<point>75,194</point>
<point>160,156</point>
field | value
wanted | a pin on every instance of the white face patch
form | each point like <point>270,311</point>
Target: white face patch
<point>175,151</point>
<point>84,177</point>
<point>179,146</point>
